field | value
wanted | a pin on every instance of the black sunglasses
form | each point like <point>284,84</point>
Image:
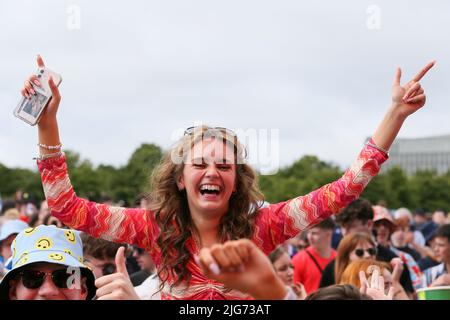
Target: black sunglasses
<point>139,251</point>
<point>371,251</point>
<point>33,279</point>
<point>108,268</point>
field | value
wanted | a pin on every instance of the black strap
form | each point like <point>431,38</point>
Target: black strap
<point>315,261</point>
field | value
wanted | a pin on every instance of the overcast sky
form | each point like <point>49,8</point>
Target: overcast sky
<point>140,71</point>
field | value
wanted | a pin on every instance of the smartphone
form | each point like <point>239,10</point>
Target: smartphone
<point>30,110</point>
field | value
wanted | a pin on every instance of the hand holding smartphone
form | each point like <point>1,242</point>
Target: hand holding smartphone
<point>30,109</point>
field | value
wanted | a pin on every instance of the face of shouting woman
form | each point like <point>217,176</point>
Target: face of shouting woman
<point>209,178</point>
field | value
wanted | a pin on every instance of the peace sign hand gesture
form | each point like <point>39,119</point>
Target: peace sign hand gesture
<point>410,97</point>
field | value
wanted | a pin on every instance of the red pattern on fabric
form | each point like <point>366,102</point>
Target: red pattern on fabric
<point>273,224</point>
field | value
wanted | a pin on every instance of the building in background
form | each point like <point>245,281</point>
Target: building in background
<point>420,154</point>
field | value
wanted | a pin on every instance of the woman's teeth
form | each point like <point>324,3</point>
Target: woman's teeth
<point>209,189</point>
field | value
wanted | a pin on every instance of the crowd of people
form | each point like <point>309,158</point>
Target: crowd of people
<point>205,231</point>
<point>365,252</point>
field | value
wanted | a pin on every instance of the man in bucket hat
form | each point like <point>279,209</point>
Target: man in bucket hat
<point>47,264</point>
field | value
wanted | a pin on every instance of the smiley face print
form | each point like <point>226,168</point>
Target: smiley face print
<point>70,236</point>
<point>13,246</point>
<point>29,231</point>
<point>21,261</point>
<point>44,243</point>
<point>56,256</point>
<point>23,254</point>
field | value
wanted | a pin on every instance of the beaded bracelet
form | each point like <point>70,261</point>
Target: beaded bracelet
<point>59,146</point>
<point>47,156</point>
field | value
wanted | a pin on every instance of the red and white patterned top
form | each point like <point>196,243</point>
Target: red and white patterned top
<point>274,224</point>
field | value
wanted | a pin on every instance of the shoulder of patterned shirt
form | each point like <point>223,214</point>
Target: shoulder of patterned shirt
<point>433,273</point>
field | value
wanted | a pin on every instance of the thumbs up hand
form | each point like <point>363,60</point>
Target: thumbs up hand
<point>116,286</point>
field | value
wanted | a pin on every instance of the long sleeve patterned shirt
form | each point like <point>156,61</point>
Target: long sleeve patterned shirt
<point>274,224</point>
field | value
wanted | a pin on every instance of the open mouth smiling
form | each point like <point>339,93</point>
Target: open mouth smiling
<point>210,189</point>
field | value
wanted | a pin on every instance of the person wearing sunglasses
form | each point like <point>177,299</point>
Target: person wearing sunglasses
<point>202,193</point>
<point>146,280</point>
<point>353,247</point>
<point>47,264</point>
<point>145,263</point>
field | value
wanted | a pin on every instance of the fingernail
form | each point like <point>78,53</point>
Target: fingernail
<point>214,268</point>
<point>37,82</point>
<point>32,91</point>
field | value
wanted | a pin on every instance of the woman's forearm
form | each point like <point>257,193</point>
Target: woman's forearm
<point>48,135</point>
<point>388,129</point>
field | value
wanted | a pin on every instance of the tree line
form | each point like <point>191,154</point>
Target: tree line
<point>425,189</point>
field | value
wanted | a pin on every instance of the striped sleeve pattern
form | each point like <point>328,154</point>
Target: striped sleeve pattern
<point>133,226</point>
<point>279,222</point>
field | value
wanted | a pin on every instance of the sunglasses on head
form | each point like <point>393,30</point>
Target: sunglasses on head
<point>191,130</point>
<point>371,251</point>
<point>33,279</point>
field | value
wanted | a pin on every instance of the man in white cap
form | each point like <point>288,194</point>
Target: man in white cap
<point>8,233</point>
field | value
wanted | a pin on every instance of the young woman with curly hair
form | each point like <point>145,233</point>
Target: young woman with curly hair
<point>204,194</point>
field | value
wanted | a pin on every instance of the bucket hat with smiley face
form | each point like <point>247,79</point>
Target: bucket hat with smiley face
<point>47,244</point>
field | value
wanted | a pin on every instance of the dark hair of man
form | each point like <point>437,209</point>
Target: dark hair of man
<point>98,248</point>
<point>338,292</point>
<point>443,232</point>
<point>360,209</point>
<point>327,224</point>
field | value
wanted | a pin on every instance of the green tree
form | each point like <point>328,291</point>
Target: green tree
<point>303,176</point>
<point>134,177</point>
<point>20,179</point>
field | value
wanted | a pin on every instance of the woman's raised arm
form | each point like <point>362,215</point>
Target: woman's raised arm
<point>134,226</point>
<point>285,220</point>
